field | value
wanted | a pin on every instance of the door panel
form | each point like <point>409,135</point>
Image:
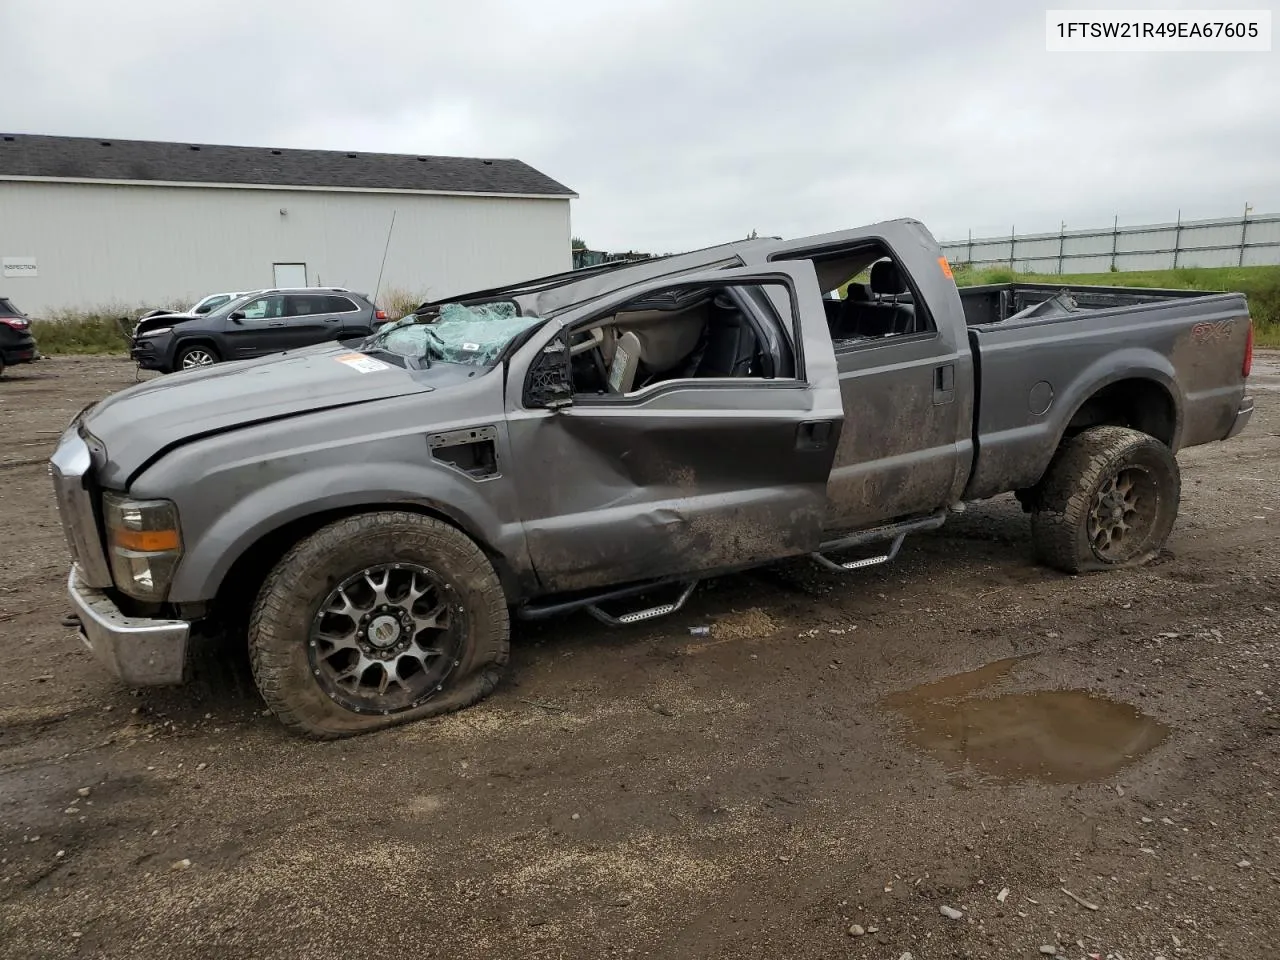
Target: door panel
<point>905,447</point>
<point>262,330</point>
<point>308,320</point>
<point>682,477</point>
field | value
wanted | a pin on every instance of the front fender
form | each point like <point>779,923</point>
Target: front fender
<point>340,487</point>
<point>233,488</point>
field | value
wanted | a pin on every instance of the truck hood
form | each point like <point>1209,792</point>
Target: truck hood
<point>140,423</point>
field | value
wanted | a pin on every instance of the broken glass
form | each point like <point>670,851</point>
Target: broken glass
<point>474,335</point>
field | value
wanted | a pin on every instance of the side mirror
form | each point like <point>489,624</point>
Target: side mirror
<point>549,385</point>
<point>236,316</point>
<point>558,401</point>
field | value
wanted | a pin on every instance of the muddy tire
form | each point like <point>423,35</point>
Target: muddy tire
<point>1108,500</point>
<point>377,620</point>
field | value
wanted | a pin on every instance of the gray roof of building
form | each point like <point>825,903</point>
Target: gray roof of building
<point>25,155</point>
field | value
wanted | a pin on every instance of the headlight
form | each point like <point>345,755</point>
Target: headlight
<point>154,333</point>
<point>144,544</point>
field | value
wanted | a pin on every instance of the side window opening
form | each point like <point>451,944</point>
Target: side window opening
<point>304,306</point>
<point>684,333</point>
<point>867,297</point>
<point>339,305</point>
<point>264,308</point>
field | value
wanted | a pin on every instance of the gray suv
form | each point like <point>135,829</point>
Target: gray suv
<point>253,325</point>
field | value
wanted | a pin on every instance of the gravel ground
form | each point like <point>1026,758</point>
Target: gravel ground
<point>838,761</point>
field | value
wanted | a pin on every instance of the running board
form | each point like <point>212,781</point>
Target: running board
<point>896,532</point>
<point>592,603</point>
<point>649,613</point>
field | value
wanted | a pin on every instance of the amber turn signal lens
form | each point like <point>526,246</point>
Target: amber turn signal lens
<point>146,541</point>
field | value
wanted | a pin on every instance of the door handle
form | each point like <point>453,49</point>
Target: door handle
<point>944,383</point>
<point>276,323</point>
<point>814,434</point>
<point>332,319</point>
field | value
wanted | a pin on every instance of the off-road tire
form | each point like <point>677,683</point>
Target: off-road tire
<point>286,606</point>
<point>1071,489</point>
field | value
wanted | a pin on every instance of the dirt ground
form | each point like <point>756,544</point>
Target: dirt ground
<point>839,759</point>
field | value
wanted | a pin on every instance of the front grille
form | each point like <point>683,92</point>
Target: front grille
<point>70,469</point>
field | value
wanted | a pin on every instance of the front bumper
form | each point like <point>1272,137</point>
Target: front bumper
<point>152,353</point>
<point>139,651</point>
<point>1242,417</point>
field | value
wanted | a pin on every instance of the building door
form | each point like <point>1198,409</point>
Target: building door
<point>290,275</point>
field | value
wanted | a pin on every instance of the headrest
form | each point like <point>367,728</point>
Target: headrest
<point>857,292</point>
<point>887,278</point>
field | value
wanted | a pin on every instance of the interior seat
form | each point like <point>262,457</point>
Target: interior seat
<point>731,344</point>
<point>861,316</point>
<point>887,283</point>
<point>626,361</point>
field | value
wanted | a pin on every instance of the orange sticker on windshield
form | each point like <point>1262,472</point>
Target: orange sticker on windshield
<point>946,268</point>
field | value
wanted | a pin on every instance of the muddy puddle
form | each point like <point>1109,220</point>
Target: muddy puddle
<point>1053,736</point>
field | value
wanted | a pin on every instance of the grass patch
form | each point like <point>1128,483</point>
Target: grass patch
<point>95,330</point>
<point>398,303</point>
<point>1267,336</point>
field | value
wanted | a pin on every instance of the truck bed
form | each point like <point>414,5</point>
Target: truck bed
<point>1001,302</point>
<point>1171,358</point>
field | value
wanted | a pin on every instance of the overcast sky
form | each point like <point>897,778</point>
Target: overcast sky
<point>683,122</point>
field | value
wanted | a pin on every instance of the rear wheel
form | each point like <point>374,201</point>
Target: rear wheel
<point>377,620</point>
<point>195,356</point>
<point>1109,499</point>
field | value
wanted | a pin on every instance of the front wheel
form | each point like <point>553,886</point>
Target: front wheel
<point>1109,499</point>
<point>194,357</point>
<point>376,620</point>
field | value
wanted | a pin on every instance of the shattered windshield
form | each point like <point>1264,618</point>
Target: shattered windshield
<point>474,335</point>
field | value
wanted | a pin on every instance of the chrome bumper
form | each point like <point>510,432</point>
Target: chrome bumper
<point>139,651</point>
<point>1242,417</point>
<point>69,467</point>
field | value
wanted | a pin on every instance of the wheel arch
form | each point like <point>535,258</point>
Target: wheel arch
<point>236,588</point>
<point>1144,402</point>
<point>1137,389</point>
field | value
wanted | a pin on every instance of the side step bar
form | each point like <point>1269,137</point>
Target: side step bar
<point>895,532</point>
<point>649,613</point>
<point>592,604</point>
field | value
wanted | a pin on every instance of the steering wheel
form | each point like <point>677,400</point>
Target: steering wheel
<point>595,337</point>
<point>593,344</point>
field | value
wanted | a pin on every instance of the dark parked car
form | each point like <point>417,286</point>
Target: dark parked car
<point>17,345</point>
<point>259,323</point>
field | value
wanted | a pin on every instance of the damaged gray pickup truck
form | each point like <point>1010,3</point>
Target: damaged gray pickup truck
<point>371,514</point>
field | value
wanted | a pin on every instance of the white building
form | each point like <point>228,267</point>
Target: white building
<point>87,222</point>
